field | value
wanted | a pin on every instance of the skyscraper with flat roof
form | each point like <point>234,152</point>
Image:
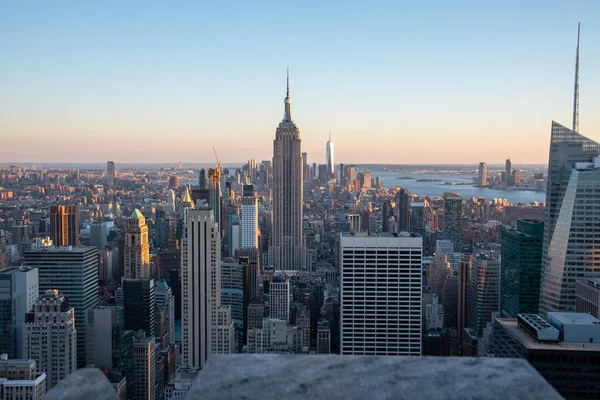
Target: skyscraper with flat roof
<point>287,249</point>
<point>571,233</point>
<point>482,174</point>
<point>64,225</point>
<point>73,271</point>
<point>249,217</point>
<point>453,219</point>
<point>381,284</point>
<point>110,174</point>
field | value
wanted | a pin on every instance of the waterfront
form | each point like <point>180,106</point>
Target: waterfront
<point>461,185</point>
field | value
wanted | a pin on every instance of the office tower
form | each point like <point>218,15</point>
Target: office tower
<point>64,225</point>
<point>202,179</point>
<point>375,324</point>
<point>365,179</point>
<point>329,157</point>
<point>165,302</point>
<point>433,314</point>
<point>482,174</point>
<point>305,167</point>
<point>354,222</point>
<point>19,288</point>
<point>521,267</point>
<point>508,172</point>
<point>439,271</point>
<point>144,367</point>
<point>323,337</point>
<point>50,337</point>
<point>98,235</point>
<point>234,233</point>
<point>174,182</point>
<point>570,237</point>
<point>214,193</point>
<point>268,338</point>
<point>139,302</point>
<point>137,248</point>
<point>236,292</point>
<point>110,174</point>
<point>484,291</point>
<point>564,349</point>
<point>19,379</point>
<point>256,313</point>
<point>224,333</point>
<point>417,216</point>
<point>387,216</point>
<point>449,300</point>
<point>453,219</point>
<point>73,271</point>
<point>109,344</point>
<point>587,298</point>
<point>200,263</point>
<point>279,298</point>
<point>287,245</point>
<point>253,260</point>
<point>464,273</point>
<point>403,200</point>
<point>249,214</point>
<point>516,176</point>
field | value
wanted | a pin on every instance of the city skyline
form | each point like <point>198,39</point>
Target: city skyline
<point>473,81</point>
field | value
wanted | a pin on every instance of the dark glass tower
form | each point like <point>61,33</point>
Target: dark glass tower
<point>139,303</point>
<point>521,267</point>
<point>572,228</point>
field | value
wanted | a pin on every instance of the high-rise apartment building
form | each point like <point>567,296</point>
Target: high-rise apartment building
<point>403,200</point>
<point>380,306</point>
<point>521,268</point>
<point>73,271</point>
<point>50,337</point>
<point>110,174</point>
<point>137,248</point>
<point>249,216</point>
<point>483,174</point>
<point>279,298</point>
<point>19,288</point>
<point>253,260</point>
<point>64,225</point>
<point>571,234</point>
<point>287,249</point>
<point>202,179</point>
<point>453,219</point>
<point>329,156</point>
<point>139,302</point>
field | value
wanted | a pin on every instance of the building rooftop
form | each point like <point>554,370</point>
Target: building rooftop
<point>63,249</point>
<point>511,325</point>
<point>595,283</point>
<point>381,234</point>
<point>572,318</point>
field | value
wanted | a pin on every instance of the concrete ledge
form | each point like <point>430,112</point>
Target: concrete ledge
<point>276,377</point>
<point>86,384</point>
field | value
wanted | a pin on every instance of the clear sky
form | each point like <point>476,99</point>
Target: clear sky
<point>396,82</point>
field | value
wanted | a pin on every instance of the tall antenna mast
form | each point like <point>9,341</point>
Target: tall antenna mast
<point>576,94</point>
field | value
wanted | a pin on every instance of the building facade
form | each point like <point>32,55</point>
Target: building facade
<point>453,219</point>
<point>64,225</point>
<point>50,338</point>
<point>372,323</point>
<point>137,248</point>
<point>139,302</point>
<point>249,217</point>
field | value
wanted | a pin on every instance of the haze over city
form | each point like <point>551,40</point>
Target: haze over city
<point>395,83</point>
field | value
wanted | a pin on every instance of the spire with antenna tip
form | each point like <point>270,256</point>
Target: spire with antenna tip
<point>576,89</point>
<point>288,106</point>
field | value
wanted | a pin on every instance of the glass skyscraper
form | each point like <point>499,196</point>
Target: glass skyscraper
<point>572,228</point>
<point>521,267</point>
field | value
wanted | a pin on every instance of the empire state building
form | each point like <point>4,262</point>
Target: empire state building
<point>287,245</point>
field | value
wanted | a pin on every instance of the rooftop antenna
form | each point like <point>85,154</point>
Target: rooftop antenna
<point>576,94</point>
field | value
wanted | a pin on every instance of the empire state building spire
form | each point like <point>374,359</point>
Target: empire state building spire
<point>287,117</point>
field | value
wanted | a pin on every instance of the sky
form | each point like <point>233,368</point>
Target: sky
<point>395,81</point>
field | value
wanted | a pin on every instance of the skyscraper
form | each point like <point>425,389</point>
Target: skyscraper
<point>571,236</point>
<point>73,271</point>
<point>372,323</point>
<point>98,235</point>
<point>110,174</point>
<point>139,303</point>
<point>484,291</point>
<point>144,367</point>
<point>214,194</point>
<point>287,245</point>
<point>403,200</point>
<point>279,298</point>
<point>482,174</point>
<point>508,172</point>
<point>137,248</point>
<point>200,276</point>
<point>19,288</point>
<point>249,214</point>
<point>50,337</point>
<point>453,219</point>
<point>329,156</point>
<point>64,225</point>
<point>165,302</point>
<point>521,267</point>
<point>202,179</point>
<point>464,273</point>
